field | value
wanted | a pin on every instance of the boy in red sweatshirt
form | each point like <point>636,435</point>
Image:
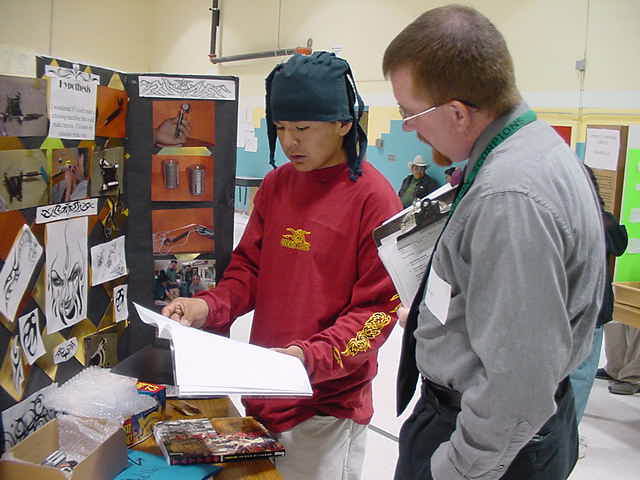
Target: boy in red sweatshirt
<point>307,264</point>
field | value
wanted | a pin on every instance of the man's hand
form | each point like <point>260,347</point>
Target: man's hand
<point>293,350</point>
<point>403,313</point>
<point>192,312</point>
<point>165,134</point>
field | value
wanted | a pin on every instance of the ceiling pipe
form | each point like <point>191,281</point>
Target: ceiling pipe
<point>215,23</point>
<point>279,52</point>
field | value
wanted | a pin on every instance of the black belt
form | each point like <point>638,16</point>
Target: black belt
<point>448,397</point>
<point>439,395</point>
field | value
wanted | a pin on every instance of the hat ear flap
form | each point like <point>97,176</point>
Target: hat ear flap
<point>271,128</point>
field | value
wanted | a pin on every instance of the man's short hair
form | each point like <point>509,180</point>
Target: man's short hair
<point>456,53</point>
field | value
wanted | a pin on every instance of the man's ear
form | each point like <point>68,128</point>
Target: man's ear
<point>344,128</point>
<point>460,114</point>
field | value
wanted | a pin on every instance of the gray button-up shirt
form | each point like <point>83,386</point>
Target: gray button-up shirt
<point>524,256</point>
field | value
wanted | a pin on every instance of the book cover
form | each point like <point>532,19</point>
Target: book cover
<point>218,440</point>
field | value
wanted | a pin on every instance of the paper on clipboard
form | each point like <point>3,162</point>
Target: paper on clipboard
<point>405,245</point>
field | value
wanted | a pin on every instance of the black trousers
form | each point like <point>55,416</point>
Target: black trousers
<point>550,455</point>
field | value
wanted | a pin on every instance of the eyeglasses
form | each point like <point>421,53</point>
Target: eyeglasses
<point>406,118</point>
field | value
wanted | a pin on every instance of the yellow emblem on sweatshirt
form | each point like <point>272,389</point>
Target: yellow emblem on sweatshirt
<point>296,239</point>
<point>372,328</point>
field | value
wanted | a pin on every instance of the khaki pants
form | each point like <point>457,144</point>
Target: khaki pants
<point>622,347</point>
<point>323,448</point>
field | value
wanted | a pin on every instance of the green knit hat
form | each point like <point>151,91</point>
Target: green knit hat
<point>318,87</point>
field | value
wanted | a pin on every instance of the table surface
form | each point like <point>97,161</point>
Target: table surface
<point>261,469</point>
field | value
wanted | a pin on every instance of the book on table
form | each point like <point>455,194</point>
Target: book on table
<point>215,440</point>
<point>205,364</point>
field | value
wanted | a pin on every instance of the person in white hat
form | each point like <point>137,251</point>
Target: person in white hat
<point>418,184</point>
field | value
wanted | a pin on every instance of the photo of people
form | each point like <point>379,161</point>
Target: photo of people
<point>176,278</point>
<point>70,174</point>
<point>112,112</point>
<point>24,178</point>
<point>185,230</point>
<point>23,107</point>
<point>181,178</point>
<point>183,123</point>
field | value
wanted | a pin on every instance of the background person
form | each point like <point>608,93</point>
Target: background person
<point>418,184</point>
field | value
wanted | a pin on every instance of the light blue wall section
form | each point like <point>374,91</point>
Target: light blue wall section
<point>402,146</point>
<point>580,147</point>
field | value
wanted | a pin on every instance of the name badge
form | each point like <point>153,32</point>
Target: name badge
<point>437,296</point>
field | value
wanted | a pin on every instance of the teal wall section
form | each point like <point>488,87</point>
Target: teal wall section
<point>402,146</point>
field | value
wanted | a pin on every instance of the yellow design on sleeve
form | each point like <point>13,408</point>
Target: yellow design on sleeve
<point>372,328</point>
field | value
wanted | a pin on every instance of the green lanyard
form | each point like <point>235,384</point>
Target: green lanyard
<point>524,119</point>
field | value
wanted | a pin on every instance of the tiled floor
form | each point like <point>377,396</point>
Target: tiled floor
<point>610,426</point>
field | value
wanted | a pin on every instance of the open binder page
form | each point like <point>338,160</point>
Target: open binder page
<point>209,364</point>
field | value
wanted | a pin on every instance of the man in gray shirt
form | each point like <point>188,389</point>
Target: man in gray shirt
<point>510,298</point>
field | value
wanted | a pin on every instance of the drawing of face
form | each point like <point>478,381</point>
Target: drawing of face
<point>66,280</point>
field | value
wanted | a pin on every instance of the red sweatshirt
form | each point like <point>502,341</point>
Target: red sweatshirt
<point>308,265</point>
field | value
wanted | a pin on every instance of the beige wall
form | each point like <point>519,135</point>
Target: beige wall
<point>546,37</point>
<point>112,33</point>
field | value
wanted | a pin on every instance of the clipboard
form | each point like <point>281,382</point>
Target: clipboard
<point>405,241</point>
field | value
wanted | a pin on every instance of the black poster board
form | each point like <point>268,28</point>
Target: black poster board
<point>134,217</point>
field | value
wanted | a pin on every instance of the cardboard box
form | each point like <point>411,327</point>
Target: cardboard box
<point>626,314</point>
<point>104,463</point>
<point>627,293</point>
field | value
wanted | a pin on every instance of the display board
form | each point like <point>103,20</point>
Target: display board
<point>108,179</point>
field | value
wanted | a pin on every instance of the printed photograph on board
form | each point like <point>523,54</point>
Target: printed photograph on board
<point>175,277</point>
<point>112,112</point>
<point>184,230</point>
<point>23,107</point>
<point>184,123</point>
<point>107,171</point>
<point>24,176</point>
<point>181,178</point>
<point>70,174</point>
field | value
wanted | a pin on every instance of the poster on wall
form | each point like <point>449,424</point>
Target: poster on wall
<point>17,270</point>
<point>602,149</point>
<point>25,417</point>
<point>107,171</point>
<point>25,177</point>
<point>66,273</point>
<point>120,303</point>
<point>30,336</point>
<point>187,87</point>
<point>69,174</point>
<point>182,178</point>
<point>183,123</point>
<point>72,102</point>
<point>186,230</point>
<point>108,261</point>
<point>112,112</point>
<point>23,107</point>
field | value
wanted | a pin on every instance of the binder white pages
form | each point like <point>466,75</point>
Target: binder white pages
<point>206,364</point>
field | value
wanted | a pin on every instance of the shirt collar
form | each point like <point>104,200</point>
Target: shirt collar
<point>491,131</point>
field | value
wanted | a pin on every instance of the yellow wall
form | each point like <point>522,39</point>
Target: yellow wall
<point>112,33</point>
<point>546,37</point>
